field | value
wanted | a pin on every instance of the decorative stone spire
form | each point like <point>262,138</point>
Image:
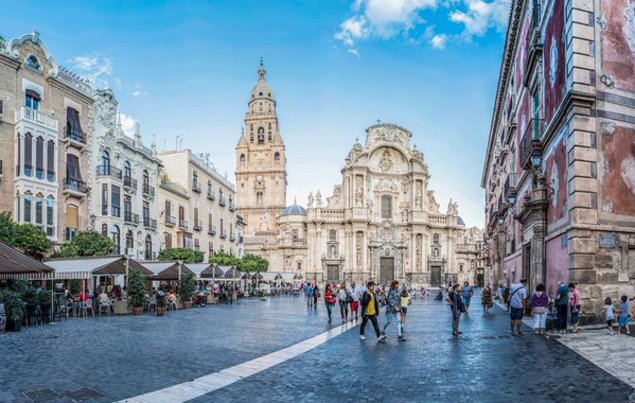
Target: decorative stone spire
<point>137,134</point>
<point>262,73</point>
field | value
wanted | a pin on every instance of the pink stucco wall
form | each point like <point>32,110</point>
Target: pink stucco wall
<point>514,268</point>
<point>557,263</point>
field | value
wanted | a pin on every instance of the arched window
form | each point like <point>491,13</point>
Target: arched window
<point>269,127</point>
<point>127,170</point>
<point>105,163</point>
<point>39,158</point>
<point>332,235</point>
<point>386,206</point>
<point>276,156</point>
<point>116,238</point>
<point>461,267</point>
<point>251,137</point>
<point>129,240</point>
<point>28,205</point>
<point>261,135</point>
<point>50,161</point>
<point>209,188</point>
<point>39,198</point>
<point>104,229</point>
<point>269,136</point>
<point>259,198</point>
<point>167,240</point>
<point>28,154</point>
<point>242,159</point>
<point>148,254</point>
<point>33,62</point>
<point>195,179</point>
<point>50,229</point>
<point>435,239</point>
<point>146,181</point>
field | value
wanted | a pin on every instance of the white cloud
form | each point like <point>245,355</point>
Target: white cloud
<point>354,52</point>
<point>439,41</point>
<point>139,91</point>
<point>387,19</point>
<point>127,124</point>
<point>96,68</point>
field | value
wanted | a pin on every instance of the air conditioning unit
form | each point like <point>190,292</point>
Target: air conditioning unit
<point>131,252</point>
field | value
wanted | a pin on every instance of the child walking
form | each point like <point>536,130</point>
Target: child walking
<point>610,314</point>
<point>623,310</point>
<point>405,301</point>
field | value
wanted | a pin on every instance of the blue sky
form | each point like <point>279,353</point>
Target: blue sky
<point>187,68</point>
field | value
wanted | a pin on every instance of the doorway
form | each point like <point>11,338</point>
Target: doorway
<point>527,266</point>
<point>386,270</point>
<point>435,276</point>
<point>333,273</point>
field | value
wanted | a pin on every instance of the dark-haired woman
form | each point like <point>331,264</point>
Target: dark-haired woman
<point>540,304</point>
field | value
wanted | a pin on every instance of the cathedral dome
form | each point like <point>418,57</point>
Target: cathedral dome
<point>262,89</point>
<point>294,210</point>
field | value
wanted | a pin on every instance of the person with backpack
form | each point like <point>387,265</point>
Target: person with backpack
<point>517,298</point>
<point>345,298</point>
<point>308,291</point>
<point>562,306</point>
<point>329,300</point>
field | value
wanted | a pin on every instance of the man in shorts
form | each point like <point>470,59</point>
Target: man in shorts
<point>517,299</point>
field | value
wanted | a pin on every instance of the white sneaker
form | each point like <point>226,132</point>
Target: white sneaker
<point>362,337</point>
<point>381,338</point>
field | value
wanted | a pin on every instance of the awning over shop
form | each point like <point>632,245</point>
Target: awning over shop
<point>86,267</point>
<point>167,270</point>
<point>16,265</point>
<point>212,271</point>
<point>231,273</point>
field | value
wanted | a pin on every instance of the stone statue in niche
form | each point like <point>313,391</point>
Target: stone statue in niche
<point>359,196</point>
<point>418,200</point>
<point>360,240</point>
<point>453,208</point>
<point>311,200</point>
<point>385,164</point>
<point>418,250</point>
<point>318,199</point>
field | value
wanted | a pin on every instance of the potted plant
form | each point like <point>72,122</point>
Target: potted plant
<point>13,308</point>
<point>137,292</point>
<point>187,289</point>
<point>44,299</point>
<point>160,296</point>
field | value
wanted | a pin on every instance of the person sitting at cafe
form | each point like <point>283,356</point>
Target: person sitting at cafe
<point>171,296</point>
<point>83,296</point>
<point>103,297</point>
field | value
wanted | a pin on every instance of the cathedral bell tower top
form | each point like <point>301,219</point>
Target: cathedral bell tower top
<point>262,90</point>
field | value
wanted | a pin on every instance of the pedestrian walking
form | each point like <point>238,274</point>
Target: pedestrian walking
<point>517,298</point>
<point>308,291</point>
<point>575,302</point>
<point>456,306</point>
<point>343,295</point>
<point>393,309</point>
<point>501,291</point>
<point>329,300</point>
<point>609,313</point>
<point>370,308</point>
<point>562,306</point>
<point>623,315</point>
<point>405,301</point>
<point>540,308</point>
<point>357,293</point>
<point>467,292</point>
<point>486,299</point>
<point>316,294</point>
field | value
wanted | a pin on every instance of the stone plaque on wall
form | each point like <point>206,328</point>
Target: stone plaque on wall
<point>608,240</point>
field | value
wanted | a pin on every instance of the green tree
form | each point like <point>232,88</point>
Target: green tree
<point>7,228</point>
<point>255,263</point>
<point>224,259</point>
<point>87,243</point>
<point>32,240</point>
<point>187,288</point>
<point>185,254</point>
<point>137,289</point>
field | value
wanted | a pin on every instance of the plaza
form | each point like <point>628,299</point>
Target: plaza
<point>119,358</point>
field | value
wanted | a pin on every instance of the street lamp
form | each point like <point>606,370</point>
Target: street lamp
<point>536,159</point>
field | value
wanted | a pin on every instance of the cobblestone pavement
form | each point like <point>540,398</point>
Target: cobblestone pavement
<point>121,357</point>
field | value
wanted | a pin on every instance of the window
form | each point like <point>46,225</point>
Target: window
<point>73,126</point>
<point>104,229</point>
<point>209,187</point>
<point>115,201</point>
<point>104,200</point>
<point>222,226</point>
<point>332,235</point>
<point>168,211</point>
<point>50,229</point>
<point>73,175</point>
<point>195,180</point>
<point>461,267</point>
<point>127,208</point>
<point>33,62</point>
<point>38,210</point>
<point>259,198</point>
<point>261,135</point>
<point>536,114</point>
<point>39,158</point>
<point>18,163</point>
<point>435,239</point>
<point>299,266</point>
<point>276,156</point>
<point>127,170</point>
<point>269,126</point>
<point>386,207</point>
<point>146,181</point>
<point>148,254</point>
<point>72,221</point>
<point>32,100</point>
<point>181,214</point>
<point>146,213</point>
<point>168,240</point>
<point>27,207</point>
<point>28,154</point>
<point>242,159</point>
<point>269,136</point>
<point>50,161</point>
<point>105,163</point>
<point>129,241</point>
<point>116,238</point>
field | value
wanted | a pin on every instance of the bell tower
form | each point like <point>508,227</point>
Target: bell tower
<point>261,164</point>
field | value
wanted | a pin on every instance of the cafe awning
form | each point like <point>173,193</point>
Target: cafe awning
<point>212,271</point>
<point>167,270</point>
<point>231,273</point>
<point>268,276</point>
<point>86,267</point>
<point>16,265</point>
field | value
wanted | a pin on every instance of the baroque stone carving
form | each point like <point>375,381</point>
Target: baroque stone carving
<point>385,164</point>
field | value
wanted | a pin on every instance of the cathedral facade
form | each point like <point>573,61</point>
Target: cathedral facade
<point>381,222</point>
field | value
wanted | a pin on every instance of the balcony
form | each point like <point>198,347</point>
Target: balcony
<point>148,190</point>
<point>211,230</point>
<point>130,217</point>
<point>533,45</point>
<point>196,187</point>
<point>75,187</point>
<point>37,117</point>
<point>198,225</point>
<point>76,138</point>
<point>530,143</point>
<point>170,220</point>
<point>223,235</point>
<point>184,224</point>
<point>130,183</point>
<point>232,207</point>
<point>211,195</point>
<point>108,171</point>
<point>510,185</point>
<point>150,223</point>
<point>221,201</point>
